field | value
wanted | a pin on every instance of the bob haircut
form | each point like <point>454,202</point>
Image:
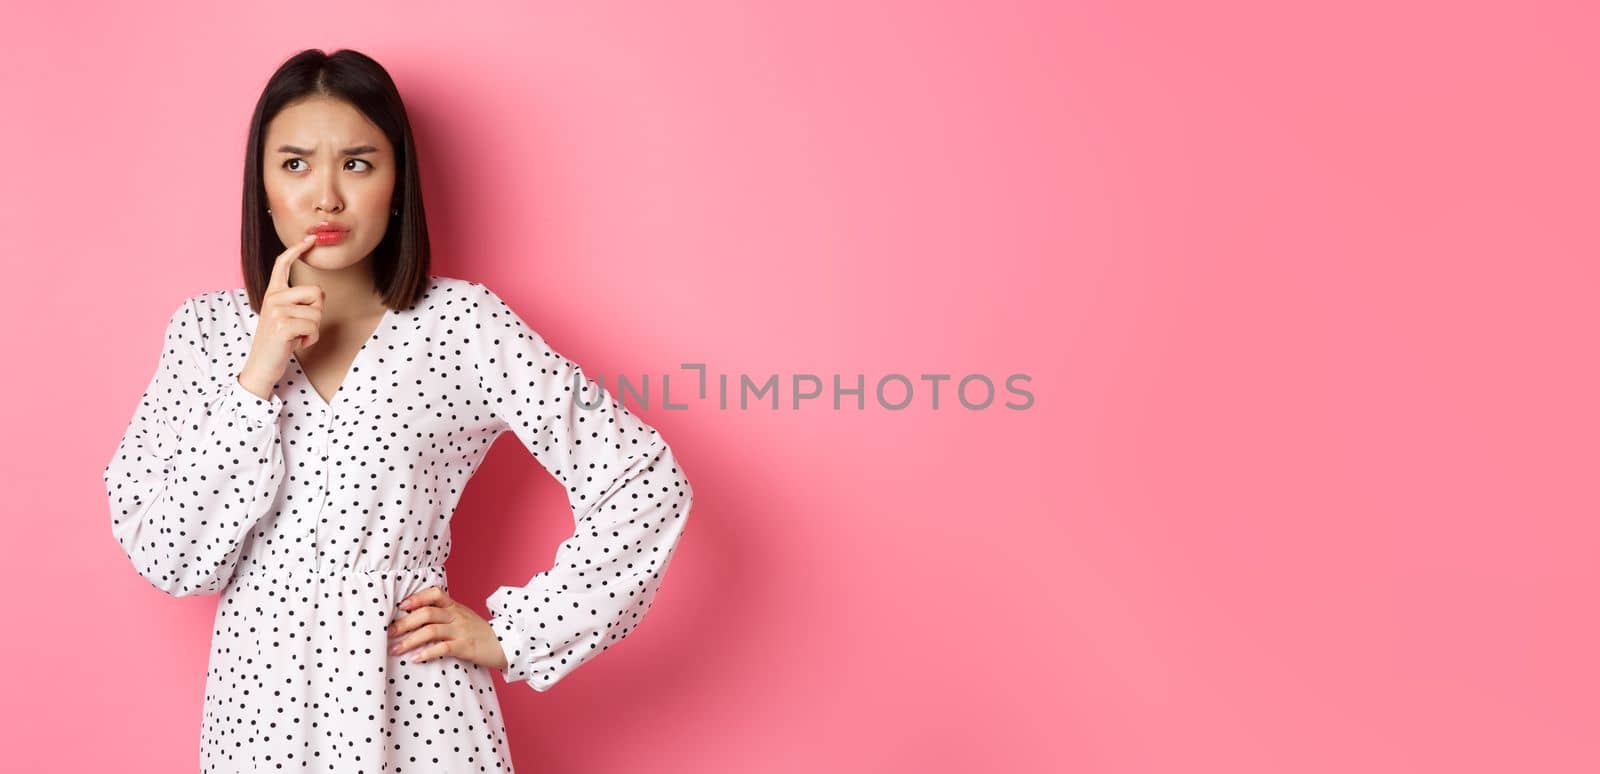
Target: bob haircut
<point>400,262</point>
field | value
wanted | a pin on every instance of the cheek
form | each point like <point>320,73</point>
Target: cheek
<point>278,199</point>
<point>385,197</point>
<point>375,209</point>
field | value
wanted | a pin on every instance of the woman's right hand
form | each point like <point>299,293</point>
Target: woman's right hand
<point>290,317</point>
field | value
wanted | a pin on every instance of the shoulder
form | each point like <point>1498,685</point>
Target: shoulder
<point>220,310</point>
<point>496,318</point>
<point>211,323</point>
<point>193,313</point>
<point>213,300</point>
<point>459,287</point>
<point>451,294</point>
<point>455,299</point>
<point>476,296</point>
<point>473,300</point>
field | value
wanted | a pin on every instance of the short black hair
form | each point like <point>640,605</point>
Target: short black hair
<point>400,262</point>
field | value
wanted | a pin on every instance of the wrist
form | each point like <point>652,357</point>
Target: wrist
<point>252,381</point>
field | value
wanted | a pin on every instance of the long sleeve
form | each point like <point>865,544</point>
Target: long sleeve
<point>630,501</point>
<point>197,467</point>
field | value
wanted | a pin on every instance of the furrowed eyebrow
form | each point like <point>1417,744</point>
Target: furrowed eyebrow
<point>356,151</point>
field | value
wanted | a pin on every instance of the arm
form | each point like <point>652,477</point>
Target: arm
<point>198,466</point>
<point>629,497</point>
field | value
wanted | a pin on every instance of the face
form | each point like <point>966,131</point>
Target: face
<point>324,162</point>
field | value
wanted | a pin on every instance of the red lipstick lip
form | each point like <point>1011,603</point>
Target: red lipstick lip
<point>326,227</point>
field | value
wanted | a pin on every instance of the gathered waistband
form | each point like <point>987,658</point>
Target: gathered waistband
<point>335,571</point>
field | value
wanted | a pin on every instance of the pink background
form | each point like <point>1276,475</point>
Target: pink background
<point>1307,297</point>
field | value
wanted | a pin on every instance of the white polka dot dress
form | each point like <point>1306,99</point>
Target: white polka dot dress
<point>313,519</point>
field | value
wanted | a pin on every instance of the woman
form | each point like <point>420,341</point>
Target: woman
<point>305,440</point>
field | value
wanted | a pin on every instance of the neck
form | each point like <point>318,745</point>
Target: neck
<point>350,291</point>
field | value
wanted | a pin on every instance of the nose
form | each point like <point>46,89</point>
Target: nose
<point>328,199</point>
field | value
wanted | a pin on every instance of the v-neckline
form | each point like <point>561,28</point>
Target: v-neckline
<point>340,391</point>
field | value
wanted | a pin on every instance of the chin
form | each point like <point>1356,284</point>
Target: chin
<point>330,260</point>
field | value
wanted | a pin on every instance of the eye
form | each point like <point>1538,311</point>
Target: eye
<point>302,161</point>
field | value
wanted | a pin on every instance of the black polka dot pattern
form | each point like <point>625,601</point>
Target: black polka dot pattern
<point>314,518</point>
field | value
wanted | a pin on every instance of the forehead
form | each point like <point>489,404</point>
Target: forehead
<point>323,123</point>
